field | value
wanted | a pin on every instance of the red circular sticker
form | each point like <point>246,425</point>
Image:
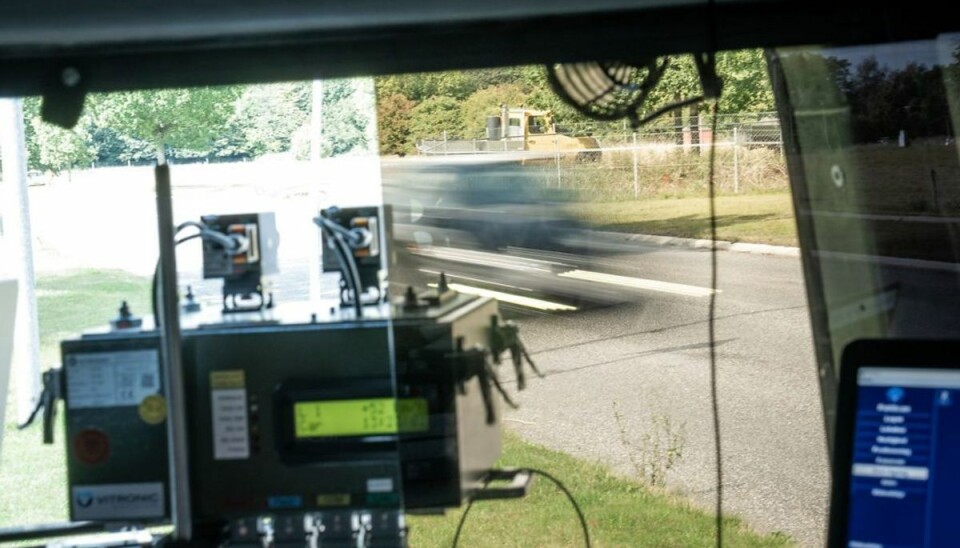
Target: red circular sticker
<point>91,446</point>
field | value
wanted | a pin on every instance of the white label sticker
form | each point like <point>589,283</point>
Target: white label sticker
<point>231,435</point>
<point>112,379</point>
<point>117,501</point>
<point>380,485</point>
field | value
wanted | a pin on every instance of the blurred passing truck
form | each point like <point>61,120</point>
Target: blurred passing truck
<point>495,226</point>
<point>519,130</point>
<point>490,202</point>
<point>484,220</point>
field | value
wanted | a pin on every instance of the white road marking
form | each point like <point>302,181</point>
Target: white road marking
<point>483,258</point>
<point>639,283</point>
<point>529,302</point>
<point>468,278</point>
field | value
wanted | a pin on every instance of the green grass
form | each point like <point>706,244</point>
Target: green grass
<point>33,475</point>
<point>620,512</point>
<point>70,303</point>
<point>758,218</point>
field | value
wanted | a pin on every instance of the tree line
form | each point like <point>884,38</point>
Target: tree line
<point>247,122</point>
<point>202,124</point>
<point>411,108</point>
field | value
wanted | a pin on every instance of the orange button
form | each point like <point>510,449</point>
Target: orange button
<point>91,446</point>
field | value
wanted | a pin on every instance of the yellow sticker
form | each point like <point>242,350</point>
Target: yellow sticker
<point>153,409</point>
<point>331,499</point>
<point>233,378</point>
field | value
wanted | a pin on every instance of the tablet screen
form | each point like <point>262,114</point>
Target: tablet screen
<point>904,487</point>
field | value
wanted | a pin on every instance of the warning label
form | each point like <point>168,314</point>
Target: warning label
<point>228,398</point>
<point>112,379</point>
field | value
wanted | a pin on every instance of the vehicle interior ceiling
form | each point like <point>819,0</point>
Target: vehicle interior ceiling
<point>868,272</point>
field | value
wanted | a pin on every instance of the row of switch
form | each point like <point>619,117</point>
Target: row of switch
<point>335,529</point>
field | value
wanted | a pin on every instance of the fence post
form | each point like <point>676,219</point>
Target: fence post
<point>444,142</point>
<point>556,148</point>
<point>636,187</point>
<point>736,160</point>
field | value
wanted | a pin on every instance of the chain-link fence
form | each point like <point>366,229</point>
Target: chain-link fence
<point>666,159</point>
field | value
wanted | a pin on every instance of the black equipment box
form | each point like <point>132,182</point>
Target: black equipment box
<point>289,414</point>
<point>116,435</point>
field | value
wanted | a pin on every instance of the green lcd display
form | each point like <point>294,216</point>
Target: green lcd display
<point>366,417</point>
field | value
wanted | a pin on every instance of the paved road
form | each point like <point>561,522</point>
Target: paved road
<point>649,358</point>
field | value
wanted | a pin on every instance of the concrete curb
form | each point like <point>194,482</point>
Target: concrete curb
<point>693,243</point>
<point>781,251</point>
<point>765,249</point>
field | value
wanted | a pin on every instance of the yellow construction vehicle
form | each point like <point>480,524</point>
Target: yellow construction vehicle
<point>519,130</point>
<point>535,131</point>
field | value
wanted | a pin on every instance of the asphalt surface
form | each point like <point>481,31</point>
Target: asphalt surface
<point>648,361</point>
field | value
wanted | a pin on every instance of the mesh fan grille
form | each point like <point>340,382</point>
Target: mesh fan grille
<point>609,90</point>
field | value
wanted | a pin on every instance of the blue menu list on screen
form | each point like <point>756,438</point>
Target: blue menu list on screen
<point>905,482</point>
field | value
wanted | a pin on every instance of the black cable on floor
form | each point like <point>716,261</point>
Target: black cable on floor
<point>711,329</point>
<point>463,519</point>
<point>559,484</point>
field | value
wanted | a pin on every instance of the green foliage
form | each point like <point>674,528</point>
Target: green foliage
<point>486,102</point>
<point>113,147</point>
<point>347,106</point>
<point>247,122</point>
<point>746,85</point>
<point>679,81</point>
<point>61,149</point>
<point>266,117</point>
<point>179,118</point>
<point>51,148</point>
<point>480,93</point>
<point>418,87</point>
<point>393,121</point>
<point>435,116</point>
<point>457,84</point>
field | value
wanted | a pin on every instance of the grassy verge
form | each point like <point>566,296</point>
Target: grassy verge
<point>70,303</point>
<point>620,512</point>
<point>33,475</point>
<point>759,218</point>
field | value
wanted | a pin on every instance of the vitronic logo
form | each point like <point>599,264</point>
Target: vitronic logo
<point>128,498</point>
<point>123,500</point>
<point>84,499</point>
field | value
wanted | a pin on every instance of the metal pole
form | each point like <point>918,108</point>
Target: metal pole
<point>316,120</point>
<point>445,142</point>
<point>736,160</point>
<point>173,364</point>
<point>636,182</point>
<point>556,147</point>
<point>15,208</point>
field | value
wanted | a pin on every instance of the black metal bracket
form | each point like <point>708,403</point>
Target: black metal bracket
<point>504,337</point>
<point>51,393</point>
<point>520,481</point>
